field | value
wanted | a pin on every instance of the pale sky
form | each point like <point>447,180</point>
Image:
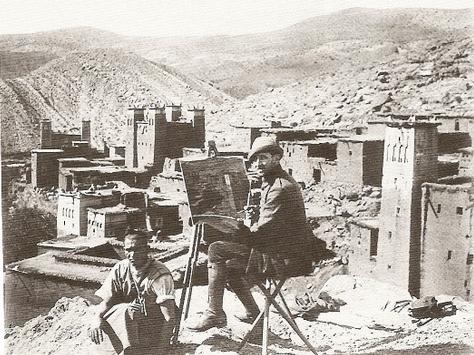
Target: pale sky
<point>182,17</point>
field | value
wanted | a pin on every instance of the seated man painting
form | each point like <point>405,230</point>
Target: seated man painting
<point>279,242</point>
<point>137,312</point>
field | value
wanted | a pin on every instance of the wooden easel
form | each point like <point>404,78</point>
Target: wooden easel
<point>186,292</point>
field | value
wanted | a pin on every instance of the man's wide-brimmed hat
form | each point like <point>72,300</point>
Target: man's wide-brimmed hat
<point>264,145</point>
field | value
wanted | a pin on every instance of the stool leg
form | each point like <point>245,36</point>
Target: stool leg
<point>290,320</point>
<point>249,333</point>
<point>285,305</point>
<point>262,313</point>
<point>266,322</point>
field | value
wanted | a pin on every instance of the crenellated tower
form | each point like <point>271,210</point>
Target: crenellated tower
<point>46,134</point>
<point>86,131</point>
<point>410,159</point>
<point>199,125</point>
<point>134,116</point>
<point>160,135</point>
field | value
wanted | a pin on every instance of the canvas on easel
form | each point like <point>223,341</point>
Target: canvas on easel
<point>217,190</point>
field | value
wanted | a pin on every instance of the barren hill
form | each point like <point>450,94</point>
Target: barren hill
<point>248,64</point>
<point>96,84</point>
<point>334,70</point>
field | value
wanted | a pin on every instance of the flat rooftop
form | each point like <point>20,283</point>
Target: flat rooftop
<point>72,242</point>
<point>452,184</point>
<point>298,130</point>
<point>361,138</point>
<point>117,209</point>
<point>322,140</point>
<point>73,159</point>
<point>370,223</point>
<point>104,169</point>
<point>47,150</point>
<point>97,193</point>
<point>46,265</point>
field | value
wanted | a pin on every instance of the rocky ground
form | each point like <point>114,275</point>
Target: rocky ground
<point>366,323</point>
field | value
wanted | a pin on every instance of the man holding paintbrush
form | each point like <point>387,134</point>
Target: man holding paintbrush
<point>278,243</point>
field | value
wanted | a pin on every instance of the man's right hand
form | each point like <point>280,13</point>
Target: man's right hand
<point>251,212</point>
<point>254,175</point>
<point>96,333</point>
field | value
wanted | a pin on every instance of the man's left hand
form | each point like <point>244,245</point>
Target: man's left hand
<point>96,333</point>
<point>135,306</point>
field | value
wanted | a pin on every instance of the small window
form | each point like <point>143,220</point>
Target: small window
<point>374,239</point>
<point>350,152</point>
<point>438,208</point>
<point>398,211</point>
<point>389,266</point>
<point>459,210</point>
<point>290,171</point>
<point>289,154</point>
<point>456,125</point>
<point>389,235</point>
<point>465,283</point>
<point>450,254</point>
<point>469,259</point>
<point>394,181</point>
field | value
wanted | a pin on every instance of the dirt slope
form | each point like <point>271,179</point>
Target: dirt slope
<point>97,84</point>
<point>365,324</point>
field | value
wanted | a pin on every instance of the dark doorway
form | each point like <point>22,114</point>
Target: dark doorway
<point>317,175</point>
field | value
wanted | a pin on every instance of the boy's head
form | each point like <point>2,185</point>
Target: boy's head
<point>136,248</point>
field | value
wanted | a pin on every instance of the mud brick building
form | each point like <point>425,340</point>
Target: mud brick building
<point>164,214</point>
<point>50,139</point>
<point>250,132</point>
<point>291,134</point>
<point>454,132</point>
<point>410,159</point>
<point>310,160</point>
<point>44,167</point>
<point>159,132</point>
<point>363,246</point>
<point>466,161</point>
<point>72,209</point>
<point>83,177</point>
<point>114,151</point>
<point>112,221</point>
<point>360,160</point>
<point>447,231</point>
<point>56,147</point>
<point>423,238</point>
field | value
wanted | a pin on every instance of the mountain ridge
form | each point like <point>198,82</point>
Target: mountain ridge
<point>308,73</point>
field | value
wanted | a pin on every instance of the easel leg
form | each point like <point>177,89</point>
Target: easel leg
<point>200,229</point>
<point>193,250</point>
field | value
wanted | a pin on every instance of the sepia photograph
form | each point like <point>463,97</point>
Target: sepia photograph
<point>237,177</point>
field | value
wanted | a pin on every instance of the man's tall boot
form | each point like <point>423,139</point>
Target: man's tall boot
<point>214,316</point>
<point>241,289</point>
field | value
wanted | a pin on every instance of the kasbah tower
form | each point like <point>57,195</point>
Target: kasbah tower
<point>410,159</point>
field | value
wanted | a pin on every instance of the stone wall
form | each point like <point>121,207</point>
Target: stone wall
<point>447,232</point>
<point>363,249</point>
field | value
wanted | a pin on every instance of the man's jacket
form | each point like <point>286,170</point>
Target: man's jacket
<point>282,241</point>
